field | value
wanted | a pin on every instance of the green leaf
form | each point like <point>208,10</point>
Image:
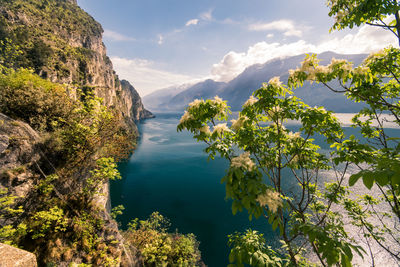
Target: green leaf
<point>345,261</point>
<point>275,224</point>
<point>368,180</point>
<point>382,178</point>
<point>396,179</point>
<point>232,257</point>
<point>354,178</point>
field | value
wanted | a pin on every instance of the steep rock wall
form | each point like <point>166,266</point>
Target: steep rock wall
<point>63,43</point>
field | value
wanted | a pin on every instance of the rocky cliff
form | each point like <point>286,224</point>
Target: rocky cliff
<point>24,164</point>
<point>54,206</point>
<point>63,43</point>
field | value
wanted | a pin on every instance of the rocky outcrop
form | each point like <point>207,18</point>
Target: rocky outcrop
<point>68,49</point>
<point>18,156</point>
<point>22,164</point>
<point>135,107</point>
<point>15,257</point>
<point>62,43</point>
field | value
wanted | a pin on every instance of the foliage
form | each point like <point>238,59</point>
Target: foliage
<point>45,221</point>
<point>116,211</point>
<point>265,157</point>
<point>64,222</point>
<point>47,49</point>
<point>106,170</point>
<point>376,156</point>
<point>39,54</point>
<point>10,234</point>
<point>258,179</point>
<point>160,248</point>
<point>93,128</point>
<point>83,139</point>
<point>8,54</point>
<point>26,96</point>
<point>249,248</point>
<point>350,13</point>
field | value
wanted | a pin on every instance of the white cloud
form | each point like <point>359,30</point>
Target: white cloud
<point>286,26</point>
<point>145,76</point>
<point>115,36</point>
<point>192,22</point>
<point>367,39</point>
<point>160,39</point>
<point>207,16</point>
<point>234,63</point>
<point>270,35</point>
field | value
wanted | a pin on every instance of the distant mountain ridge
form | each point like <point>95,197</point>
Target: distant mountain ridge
<point>238,90</point>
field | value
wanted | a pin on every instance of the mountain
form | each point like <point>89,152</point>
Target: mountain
<point>156,99</point>
<point>238,90</point>
<point>62,43</point>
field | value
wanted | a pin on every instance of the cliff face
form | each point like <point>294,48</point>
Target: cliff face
<point>136,108</point>
<point>22,161</point>
<point>64,44</point>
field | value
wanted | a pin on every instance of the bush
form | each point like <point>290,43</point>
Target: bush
<point>160,248</point>
<point>27,97</point>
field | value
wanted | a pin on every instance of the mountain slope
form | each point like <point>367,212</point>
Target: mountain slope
<point>56,137</point>
<point>63,44</point>
<point>238,90</point>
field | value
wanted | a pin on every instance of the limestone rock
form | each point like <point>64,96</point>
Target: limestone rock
<point>87,65</point>
<point>15,257</point>
<point>18,155</point>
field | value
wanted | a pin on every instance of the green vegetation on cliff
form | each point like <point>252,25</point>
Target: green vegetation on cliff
<point>60,219</point>
<point>66,120</point>
<point>48,34</point>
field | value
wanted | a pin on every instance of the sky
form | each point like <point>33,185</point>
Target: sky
<point>156,44</point>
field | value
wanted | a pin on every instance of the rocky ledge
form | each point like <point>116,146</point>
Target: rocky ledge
<point>15,257</point>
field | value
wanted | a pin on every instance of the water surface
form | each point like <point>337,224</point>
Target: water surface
<point>169,173</point>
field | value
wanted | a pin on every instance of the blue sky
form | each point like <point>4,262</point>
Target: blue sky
<point>157,44</point>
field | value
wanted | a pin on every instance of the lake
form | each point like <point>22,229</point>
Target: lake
<point>169,173</point>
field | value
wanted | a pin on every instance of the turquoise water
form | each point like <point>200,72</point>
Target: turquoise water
<point>169,173</point>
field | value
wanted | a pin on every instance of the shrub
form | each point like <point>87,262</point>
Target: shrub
<point>27,97</point>
<point>160,248</point>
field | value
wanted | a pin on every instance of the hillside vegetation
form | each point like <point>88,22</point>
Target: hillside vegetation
<point>65,121</point>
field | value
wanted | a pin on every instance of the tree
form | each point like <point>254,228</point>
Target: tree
<point>279,174</point>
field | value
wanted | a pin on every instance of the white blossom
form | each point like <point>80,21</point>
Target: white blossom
<point>274,111</point>
<point>275,81</point>
<point>322,69</point>
<point>292,72</point>
<point>196,103</point>
<point>340,15</point>
<point>220,104</point>
<point>237,124</point>
<point>270,198</point>
<point>218,100</point>
<point>344,65</point>
<point>251,101</point>
<point>221,128</point>
<point>243,161</point>
<point>292,135</point>
<point>185,117</point>
<point>307,65</point>
<point>205,129</point>
<point>361,70</point>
